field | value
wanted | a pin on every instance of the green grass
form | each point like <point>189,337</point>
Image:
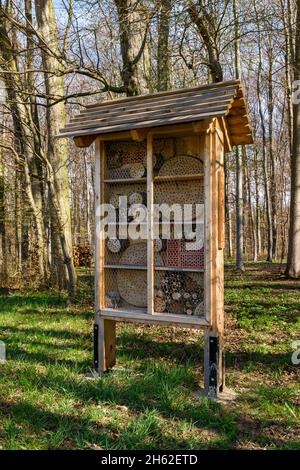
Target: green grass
<point>150,399</point>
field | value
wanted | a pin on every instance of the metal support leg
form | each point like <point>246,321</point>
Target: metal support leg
<point>213,364</point>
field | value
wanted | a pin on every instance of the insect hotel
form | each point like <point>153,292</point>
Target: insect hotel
<point>162,153</point>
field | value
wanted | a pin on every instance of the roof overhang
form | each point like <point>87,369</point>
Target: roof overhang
<point>183,110</point>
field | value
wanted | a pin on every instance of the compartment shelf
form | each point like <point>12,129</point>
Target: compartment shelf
<point>157,179</point>
<point>125,180</point>
<point>139,315</point>
<point>125,266</point>
<point>180,270</point>
<point>156,268</point>
<point>175,178</point>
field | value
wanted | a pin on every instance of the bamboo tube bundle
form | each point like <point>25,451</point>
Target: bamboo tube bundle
<point>138,197</point>
<point>116,245</point>
<point>112,300</point>
<point>136,170</point>
<point>160,245</point>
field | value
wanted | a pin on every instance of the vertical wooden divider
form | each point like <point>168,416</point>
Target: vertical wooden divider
<point>213,348</point>
<point>207,226</point>
<point>150,248</point>
<point>97,225</point>
<point>106,329</point>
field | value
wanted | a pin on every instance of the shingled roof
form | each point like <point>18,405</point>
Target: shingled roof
<point>217,100</point>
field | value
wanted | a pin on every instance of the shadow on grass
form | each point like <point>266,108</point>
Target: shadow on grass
<point>58,334</point>
<point>40,299</point>
<point>151,391</point>
<point>266,285</point>
<point>68,431</point>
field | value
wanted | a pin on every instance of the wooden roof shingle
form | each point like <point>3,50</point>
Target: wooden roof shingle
<point>204,102</point>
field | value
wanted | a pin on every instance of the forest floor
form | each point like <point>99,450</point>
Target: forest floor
<point>150,400</point>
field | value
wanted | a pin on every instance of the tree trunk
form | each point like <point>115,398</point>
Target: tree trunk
<point>133,30</point>
<point>264,145</point>
<point>24,131</point>
<point>238,156</point>
<point>204,22</point>
<point>250,209</point>
<point>257,206</point>
<point>273,185</point>
<point>228,220</point>
<point>163,55</point>
<point>57,152</point>
<point>293,262</point>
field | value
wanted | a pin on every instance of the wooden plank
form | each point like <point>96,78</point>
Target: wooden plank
<point>177,130</point>
<point>227,135</point>
<point>166,131</point>
<point>166,319</point>
<point>204,114</point>
<point>170,179</point>
<point>201,126</point>
<point>238,120</point>
<point>102,241</point>
<point>138,135</point>
<point>155,104</point>
<point>217,258</point>
<point>144,116</point>
<point>125,180</point>
<point>107,344</point>
<point>181,270</point>
<point>220,179</point>
<point>106,340</point>
<point>237,111</point>
<point>240,129</point>
<point>150,96</point>
<point>239,103</point>
<point>125,266</point>
<point>150,243</point>
<point>219,320</point>
<point>84,141</point>
<point>242,139</point>
<point>97,222</point>
<point>221,210</point>
<point>207,226</point>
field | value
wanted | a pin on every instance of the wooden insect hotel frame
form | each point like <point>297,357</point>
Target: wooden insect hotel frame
<point>164,148</point>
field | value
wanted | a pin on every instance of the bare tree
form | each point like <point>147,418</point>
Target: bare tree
<point>133,26</point>
<point>163,53</point>
<point>293,262</point>
<point>57,150</point>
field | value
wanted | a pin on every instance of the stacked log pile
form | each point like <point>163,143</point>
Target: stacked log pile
<point>82,256</point>
<point>179,293</point>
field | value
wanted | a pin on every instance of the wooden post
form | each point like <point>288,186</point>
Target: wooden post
<point>104,330</point>
<point>214,265</point>
<point>150,248</point>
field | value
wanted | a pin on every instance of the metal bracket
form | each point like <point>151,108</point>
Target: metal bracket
<point>96,349</point>
<point>213,366</point>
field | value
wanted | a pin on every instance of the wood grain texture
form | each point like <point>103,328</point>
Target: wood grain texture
<point>137,115</point>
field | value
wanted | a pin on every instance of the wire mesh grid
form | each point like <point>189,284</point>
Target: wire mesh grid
<point>125,159</point>
<point>179,293</point>
<point>178,180</point>
<point>125,289</point>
